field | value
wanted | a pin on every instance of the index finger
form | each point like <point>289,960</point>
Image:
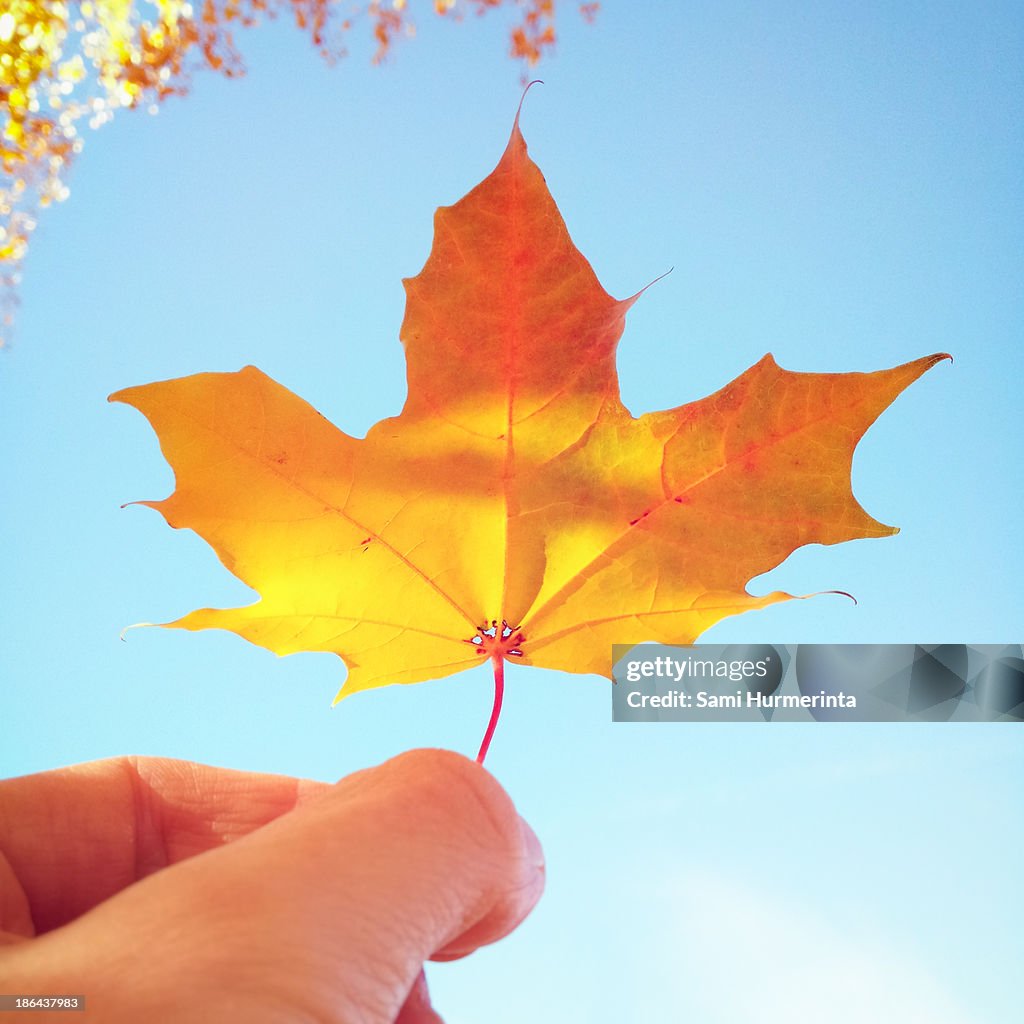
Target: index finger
<point>72,837</point>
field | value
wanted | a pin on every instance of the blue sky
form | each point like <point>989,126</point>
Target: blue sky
<point>839,185</point>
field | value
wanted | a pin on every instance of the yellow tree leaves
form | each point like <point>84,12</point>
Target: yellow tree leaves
<point>514,508</point>
<point>62,63</point>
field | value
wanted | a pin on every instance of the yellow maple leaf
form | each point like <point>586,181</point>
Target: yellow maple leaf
<point>514,508</point>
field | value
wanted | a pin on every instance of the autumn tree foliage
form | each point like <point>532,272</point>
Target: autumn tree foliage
<point>65,63</point>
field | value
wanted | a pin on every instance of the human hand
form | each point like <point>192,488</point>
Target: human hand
<point>169,891</point>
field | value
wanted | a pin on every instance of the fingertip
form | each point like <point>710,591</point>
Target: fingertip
<point>534,870</point>
<point>533,851</point>
<point>516,894</point>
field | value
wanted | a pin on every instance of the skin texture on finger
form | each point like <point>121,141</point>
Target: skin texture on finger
<point>75,836</point>
<point>15,915</point>
<point>325,914</point>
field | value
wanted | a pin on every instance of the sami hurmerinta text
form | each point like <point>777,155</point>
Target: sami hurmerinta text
<point>739,699</point>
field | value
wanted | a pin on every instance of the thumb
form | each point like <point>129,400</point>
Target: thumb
<point>326,914</point>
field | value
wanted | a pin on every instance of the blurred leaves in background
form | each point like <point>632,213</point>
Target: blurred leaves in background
<point>65,64</point>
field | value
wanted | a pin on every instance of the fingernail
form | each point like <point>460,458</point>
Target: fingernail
<point>533,861</point>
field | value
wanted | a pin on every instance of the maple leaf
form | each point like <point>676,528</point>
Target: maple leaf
<point>514,508</point>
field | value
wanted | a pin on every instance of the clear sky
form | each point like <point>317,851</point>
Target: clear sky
<point>837,184</point>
